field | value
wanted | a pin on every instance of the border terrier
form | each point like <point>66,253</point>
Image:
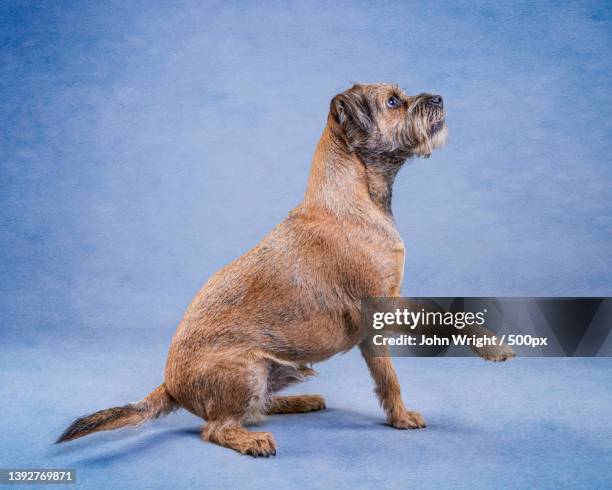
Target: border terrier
<point>258,324</point>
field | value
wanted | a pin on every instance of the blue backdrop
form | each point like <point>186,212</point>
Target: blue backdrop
<point>146,144</point>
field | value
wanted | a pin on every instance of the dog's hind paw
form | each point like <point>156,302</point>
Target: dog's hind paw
<point>296,404</point>
<point>261,444</point>
<point>240,439</point>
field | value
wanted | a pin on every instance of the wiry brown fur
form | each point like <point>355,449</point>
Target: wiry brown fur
<point>294,299</point>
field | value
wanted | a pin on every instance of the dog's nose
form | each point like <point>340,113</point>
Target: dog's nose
<point>436,100</point>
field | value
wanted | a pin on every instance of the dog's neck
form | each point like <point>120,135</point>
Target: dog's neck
<point>346,183</point>
<point>380,175</point>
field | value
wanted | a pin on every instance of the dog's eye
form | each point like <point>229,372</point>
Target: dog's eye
<point>393,102</point>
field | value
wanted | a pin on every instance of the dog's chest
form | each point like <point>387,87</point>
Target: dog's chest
<point>391,263</point>
<point>382,251</point>
<point>397,257</point>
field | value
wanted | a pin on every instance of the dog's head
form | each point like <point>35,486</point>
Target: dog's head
<point>379,121</point>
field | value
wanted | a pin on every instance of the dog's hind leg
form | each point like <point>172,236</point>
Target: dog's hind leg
<point>282,374</point>
<point>234,393</point>
<point>295,404</point>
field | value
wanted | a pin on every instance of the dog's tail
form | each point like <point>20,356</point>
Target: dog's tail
<point>157,403</point>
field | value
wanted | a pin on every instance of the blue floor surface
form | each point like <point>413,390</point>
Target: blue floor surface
<point>524,423</point>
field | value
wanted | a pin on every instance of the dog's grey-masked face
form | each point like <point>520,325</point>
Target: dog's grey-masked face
<point>379,121</point>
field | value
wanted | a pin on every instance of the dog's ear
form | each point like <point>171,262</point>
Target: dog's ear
<point>351,111</point>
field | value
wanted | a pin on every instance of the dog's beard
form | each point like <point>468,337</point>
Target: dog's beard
<point>439,135</point>
<point>430,132</point>
<point>423,130</point>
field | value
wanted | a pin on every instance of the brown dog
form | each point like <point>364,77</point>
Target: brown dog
<point>294,299</point>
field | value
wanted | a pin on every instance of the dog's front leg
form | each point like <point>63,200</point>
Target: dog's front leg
<point>388,389</point>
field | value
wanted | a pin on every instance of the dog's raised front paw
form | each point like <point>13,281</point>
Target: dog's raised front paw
<point>496,353</point>
<point>407,420</point>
